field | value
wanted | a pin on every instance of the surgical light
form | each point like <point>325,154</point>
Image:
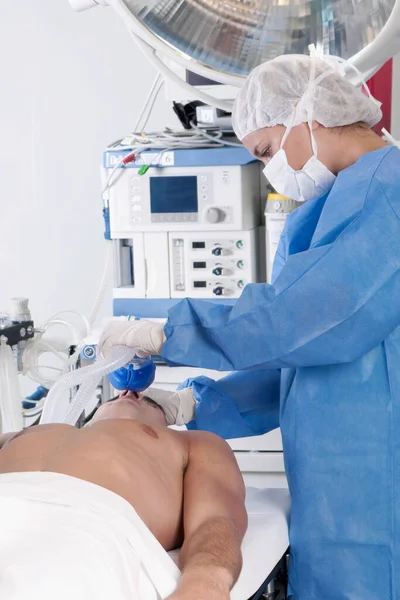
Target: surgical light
<point>226,39</point>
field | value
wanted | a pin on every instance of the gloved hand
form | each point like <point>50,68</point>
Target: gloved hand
<point>179,406</point>
<point>144,336</point>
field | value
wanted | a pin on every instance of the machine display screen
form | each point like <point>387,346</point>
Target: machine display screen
<point>199,265</point>
<point>198,245</point>
<point>173,194</point>
<point>199,284</point>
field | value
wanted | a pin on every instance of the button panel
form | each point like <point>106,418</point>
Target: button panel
<point>210,275</point>
<point>216,266</point>
<point>174,218</point>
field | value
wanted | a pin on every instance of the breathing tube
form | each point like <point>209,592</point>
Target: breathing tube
<point>125,370</point>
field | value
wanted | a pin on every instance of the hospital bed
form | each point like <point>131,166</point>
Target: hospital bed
<point>264,546</point>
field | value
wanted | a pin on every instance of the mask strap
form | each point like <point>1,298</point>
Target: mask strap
<point>306,96</point>
<point>310,110</point>
<point>307,99</point>
<point>389,138</point>
<point>288,130</point>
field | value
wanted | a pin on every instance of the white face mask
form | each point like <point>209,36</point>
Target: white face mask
<point>312,181</point>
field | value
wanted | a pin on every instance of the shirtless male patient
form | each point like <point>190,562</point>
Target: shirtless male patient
<point>185,485</point>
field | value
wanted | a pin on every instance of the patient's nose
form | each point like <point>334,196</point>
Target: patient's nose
<point>137,395</point>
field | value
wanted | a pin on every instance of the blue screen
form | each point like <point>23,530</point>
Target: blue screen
<point>173,194</point>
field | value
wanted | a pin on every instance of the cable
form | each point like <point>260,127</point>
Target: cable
<point>149,102</point>
<point>149,96</point>
<point>173,139</point>
<point>103,285</point>
<point>39,346</point>
<point>139,126</point>
<point>214,138</point>
<point>162,141</point>
<point>116,172</point>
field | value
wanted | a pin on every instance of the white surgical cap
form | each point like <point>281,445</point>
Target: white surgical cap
<point>273,91</point>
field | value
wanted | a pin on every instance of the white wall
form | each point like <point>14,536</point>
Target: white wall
<point>69,84</point>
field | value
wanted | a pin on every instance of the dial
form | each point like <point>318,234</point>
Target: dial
<point>218,291</point>
<point>214,215</point>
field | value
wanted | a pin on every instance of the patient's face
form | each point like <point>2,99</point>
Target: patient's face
<point>134,406</point>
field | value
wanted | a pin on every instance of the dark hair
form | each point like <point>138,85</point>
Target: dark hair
<point>153,403</point>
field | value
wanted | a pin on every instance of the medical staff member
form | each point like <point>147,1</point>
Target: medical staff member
<point>318,351</point>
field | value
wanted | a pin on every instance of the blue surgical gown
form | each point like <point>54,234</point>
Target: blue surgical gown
<point>318,353</point>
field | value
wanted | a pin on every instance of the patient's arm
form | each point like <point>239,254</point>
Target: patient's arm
<point>215,520</point>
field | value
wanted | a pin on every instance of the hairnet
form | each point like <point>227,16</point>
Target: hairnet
<point>273,91</point>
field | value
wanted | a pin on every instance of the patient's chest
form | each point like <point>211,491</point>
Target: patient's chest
<point>144,465</point>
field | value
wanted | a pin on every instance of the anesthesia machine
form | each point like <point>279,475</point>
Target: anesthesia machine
<point>189,227</point>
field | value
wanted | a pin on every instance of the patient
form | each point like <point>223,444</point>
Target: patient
<point>184,485</point>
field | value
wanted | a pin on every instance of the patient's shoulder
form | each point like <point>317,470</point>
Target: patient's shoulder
<point>205,441</point>
<point>211,460</point>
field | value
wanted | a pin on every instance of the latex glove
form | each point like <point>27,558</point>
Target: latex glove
<point>179,406</point>
<point>146,337</point>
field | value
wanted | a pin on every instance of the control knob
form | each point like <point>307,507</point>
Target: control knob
<point>218,291</point>
<point>214,215</point>
<point>218,271</point>
<point>217,251</point>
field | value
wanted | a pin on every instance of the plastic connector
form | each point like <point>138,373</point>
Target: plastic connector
<point>128,159</point>
<point>40,393</point>
<point>106,217</point>
<point>143,170</point>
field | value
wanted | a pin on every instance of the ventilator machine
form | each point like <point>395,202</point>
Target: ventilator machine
<point>188,227</point>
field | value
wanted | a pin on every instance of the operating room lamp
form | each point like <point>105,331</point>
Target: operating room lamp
<point>224,40</point>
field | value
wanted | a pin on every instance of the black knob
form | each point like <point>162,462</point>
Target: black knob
<point>217,251</point>
<point>218,291</point>
<point>218,271</point>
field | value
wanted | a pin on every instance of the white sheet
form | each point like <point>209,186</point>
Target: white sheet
<point>66,539</point>
<point>62,538</point>
<point>266,539</point>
